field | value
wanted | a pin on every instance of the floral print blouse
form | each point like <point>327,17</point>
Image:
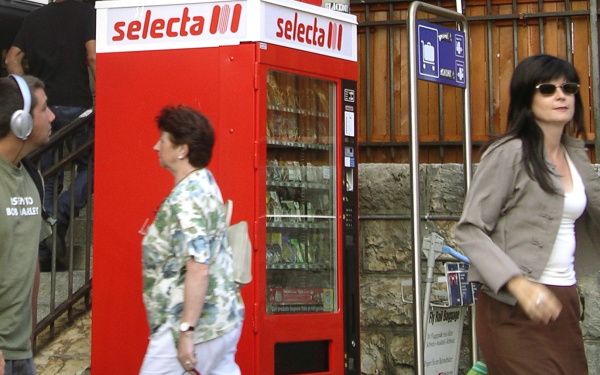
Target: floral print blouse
<point>190,223</point>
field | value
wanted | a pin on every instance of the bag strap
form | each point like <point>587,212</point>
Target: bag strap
<point>228,211</point>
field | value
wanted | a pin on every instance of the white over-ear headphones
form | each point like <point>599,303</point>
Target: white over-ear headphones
<point>21,122</point>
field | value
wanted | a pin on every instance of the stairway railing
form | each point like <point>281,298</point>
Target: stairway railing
<point>59,291</point>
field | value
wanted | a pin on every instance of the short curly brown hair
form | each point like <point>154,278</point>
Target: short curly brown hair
<point>185,125</point>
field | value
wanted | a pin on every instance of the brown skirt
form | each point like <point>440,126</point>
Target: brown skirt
<point>512,344</point>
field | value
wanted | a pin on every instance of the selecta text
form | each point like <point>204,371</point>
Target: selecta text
<point>310,33</point>
<point>155,27</point>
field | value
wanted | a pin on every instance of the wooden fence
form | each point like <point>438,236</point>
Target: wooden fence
<point>502,32</point>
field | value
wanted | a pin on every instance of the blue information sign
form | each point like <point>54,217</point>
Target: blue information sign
<point>441,54</point>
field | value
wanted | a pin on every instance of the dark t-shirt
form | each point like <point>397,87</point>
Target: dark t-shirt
<point>53,38</point>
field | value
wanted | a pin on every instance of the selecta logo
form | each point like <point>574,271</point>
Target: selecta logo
<point>224,22</point>
<point>312,33</point>
<point>153,26</point>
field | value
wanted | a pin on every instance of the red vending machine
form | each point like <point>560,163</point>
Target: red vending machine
<point>278,81</point>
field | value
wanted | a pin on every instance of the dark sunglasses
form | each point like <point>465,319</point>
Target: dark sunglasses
<point>549,89</point>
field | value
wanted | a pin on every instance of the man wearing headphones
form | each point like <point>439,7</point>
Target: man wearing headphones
<point>58,41</point>
<point>25,120</point>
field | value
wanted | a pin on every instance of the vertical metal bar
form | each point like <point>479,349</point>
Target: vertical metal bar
<point>595,80</point>
<point>391,80</point>
<point>369,98</point>
<point>441,106</point>
<point>515,38</point>
<point>70,237</point>
<point>569,45</point>
<point>467,165</point>
<point>467,144</point>
<point>414,183</point>
<point>467,152</point>
<point>569,33</point>
<point>441,120</point>
<point>414,163</point>
<point>541,27</point>
<point>88,218</point>
<point>490,71</point>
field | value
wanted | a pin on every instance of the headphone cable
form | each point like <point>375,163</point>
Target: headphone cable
<point>18,152</point>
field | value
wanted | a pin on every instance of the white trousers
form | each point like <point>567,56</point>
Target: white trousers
<point>215,357</point>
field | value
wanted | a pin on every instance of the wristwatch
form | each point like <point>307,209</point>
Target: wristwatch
<point>185,326</point>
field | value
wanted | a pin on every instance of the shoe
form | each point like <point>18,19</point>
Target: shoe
<point>46,266</point>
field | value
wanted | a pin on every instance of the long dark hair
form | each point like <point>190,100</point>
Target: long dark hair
<point>521,122</point>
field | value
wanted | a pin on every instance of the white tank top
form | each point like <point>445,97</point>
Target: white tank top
<point>560,268</point>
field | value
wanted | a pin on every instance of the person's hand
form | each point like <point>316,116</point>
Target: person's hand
<point>2,363</point>
<point>538,302</point>
<point>185,351</point>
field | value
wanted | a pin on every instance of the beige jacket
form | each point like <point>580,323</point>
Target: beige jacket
<point>509,224</point>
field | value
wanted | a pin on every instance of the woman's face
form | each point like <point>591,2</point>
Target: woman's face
<point>168,153</point>
<point>557,108</point>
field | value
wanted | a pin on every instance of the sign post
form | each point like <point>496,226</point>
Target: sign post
<point>436,54</point>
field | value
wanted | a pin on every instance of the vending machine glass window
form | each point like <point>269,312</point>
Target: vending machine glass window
<point>301,195</point>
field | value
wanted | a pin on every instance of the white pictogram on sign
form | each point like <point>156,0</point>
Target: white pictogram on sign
<point>428,55</point>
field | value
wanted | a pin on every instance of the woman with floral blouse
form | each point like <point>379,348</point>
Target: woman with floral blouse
<point>194,307</point>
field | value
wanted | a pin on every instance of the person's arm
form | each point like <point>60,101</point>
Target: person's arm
<point>13,61</point>
<point>492,187</point>
<point>90,47</point>
<point>196,284</point>
<point>2,364</point>
<point>196,239</point>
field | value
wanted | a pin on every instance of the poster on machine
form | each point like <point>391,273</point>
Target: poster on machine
<point>442,341</point>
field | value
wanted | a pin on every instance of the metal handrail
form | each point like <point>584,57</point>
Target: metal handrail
<point>65,163</point>
<point>63,134</point>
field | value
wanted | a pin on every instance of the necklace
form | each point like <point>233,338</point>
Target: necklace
<point>187,175</point>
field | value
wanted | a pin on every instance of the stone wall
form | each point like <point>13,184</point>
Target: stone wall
<point>386,260</point>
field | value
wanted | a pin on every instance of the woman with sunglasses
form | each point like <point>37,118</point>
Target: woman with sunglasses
<point>194,307</point>
<point>532,211</point>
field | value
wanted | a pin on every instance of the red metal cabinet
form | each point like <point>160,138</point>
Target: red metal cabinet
<point>278,81</point>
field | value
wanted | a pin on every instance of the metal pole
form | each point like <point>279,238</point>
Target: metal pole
<point>467,168</point>
<point>391,81</point>
<point>595,74</point>
<point>368,96</point>
<point>414,185</point>
<point>414,160</point>
<point>467,162</point>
